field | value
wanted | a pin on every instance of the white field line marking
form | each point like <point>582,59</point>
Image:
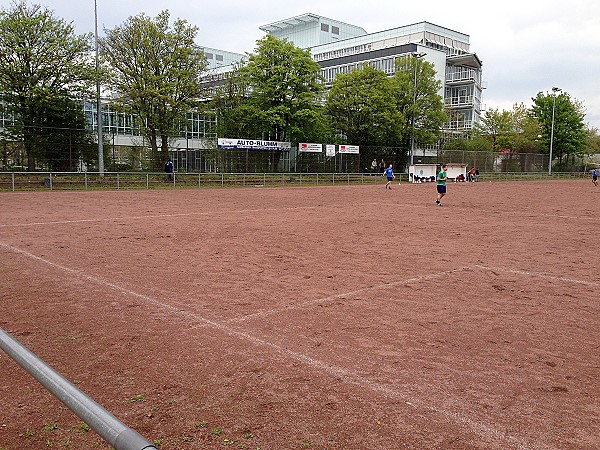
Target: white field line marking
<point>493,436</point>
<point>345,294</point>
<point>537,274</point>
<point>158,216</point>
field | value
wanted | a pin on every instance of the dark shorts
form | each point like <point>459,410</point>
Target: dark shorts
<point>441,189</point>
<point>594,178</point>
<point>390,178</point>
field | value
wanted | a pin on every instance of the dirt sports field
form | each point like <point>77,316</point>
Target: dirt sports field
<point>322,318</point>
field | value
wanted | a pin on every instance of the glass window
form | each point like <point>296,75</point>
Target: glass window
<point>335,30</point>
<point>324,27</point>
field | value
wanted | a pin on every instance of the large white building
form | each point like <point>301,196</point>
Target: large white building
<point>340,47</point>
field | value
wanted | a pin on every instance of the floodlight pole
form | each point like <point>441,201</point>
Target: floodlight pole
<point>417,56</point>
<point>554,91</point>
<point>98,105</point>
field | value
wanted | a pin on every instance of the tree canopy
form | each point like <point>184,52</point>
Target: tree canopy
<point>283,90</point>
<point>156,70</point>
<point>418,99</point>
<point>43,63</point>
<point>361,106</point>
<point>570,134</point>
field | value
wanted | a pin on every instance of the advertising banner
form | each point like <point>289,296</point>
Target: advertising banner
<point>310,148</point>
<point>244,144</point>
<point>348,149</point>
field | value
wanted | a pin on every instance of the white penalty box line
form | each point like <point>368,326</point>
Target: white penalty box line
<point>416,279</point>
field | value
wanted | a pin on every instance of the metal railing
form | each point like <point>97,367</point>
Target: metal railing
<point>43,181</point>
<point>100,420</point>
<point>65,181</point>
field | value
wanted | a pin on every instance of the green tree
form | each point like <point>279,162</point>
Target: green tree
<point>43,62</point>
<point>361,106</point>
<point>284,89</point>
<point>235,116</point>
<point>156,70</point>
<point>593,141</point>
<point>513,131</point>
<point>64,140</point>
<point>570,134</point>
<point>418,99</point>
<point>498,127</point>
<point>476,143</point>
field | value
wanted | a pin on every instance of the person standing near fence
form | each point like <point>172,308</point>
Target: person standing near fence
<point>441,184</point>
<point>374,165</point>
<point>389,173</point>
<point>595,177</point>
<point>169,169</point>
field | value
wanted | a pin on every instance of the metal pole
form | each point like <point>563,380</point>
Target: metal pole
<point>554,91</point>
<point>412,133</point>
<point>98,106</point>
<point>104,423</point>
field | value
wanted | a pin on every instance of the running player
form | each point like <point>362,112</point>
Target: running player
<point>441,184</point>
<point>389,173</point>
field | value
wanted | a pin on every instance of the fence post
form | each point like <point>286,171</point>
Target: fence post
<point>13,181</point>
<point>85,181</point>
<point>147,181</point>
<point>317,178</point>
<point>118,182</point>
<point>222,181</point>
<point>50,180</point>
<point>100,420</point>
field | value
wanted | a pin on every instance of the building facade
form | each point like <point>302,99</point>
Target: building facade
<point>340,47</point>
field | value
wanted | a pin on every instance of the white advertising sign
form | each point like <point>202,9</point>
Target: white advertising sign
<point>253,145</point>
<point>348,149</point>
<point>310,148</point>
<point>330,150</point>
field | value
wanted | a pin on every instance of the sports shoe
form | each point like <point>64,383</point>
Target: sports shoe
<point>437,202</point>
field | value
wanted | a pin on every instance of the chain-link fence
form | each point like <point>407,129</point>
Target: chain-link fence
<point>69,152</point>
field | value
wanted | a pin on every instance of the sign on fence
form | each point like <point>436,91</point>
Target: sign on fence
<point>330,150</point>
<point>244,144</point>
<point>349,149</point>
<point>310,148</point>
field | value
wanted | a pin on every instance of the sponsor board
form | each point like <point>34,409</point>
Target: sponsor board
<point>348,149</point>
<point>253,144</point>
<point>304,147</point>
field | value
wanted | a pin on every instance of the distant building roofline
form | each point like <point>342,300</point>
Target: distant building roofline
<point>297,20</point>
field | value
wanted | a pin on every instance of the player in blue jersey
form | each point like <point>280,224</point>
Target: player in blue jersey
<point>389,173</point>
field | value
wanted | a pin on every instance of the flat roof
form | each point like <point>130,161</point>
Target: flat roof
<point>302,18</point>
<point>292,21</point>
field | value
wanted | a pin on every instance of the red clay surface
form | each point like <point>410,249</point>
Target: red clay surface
<point>308,318</point>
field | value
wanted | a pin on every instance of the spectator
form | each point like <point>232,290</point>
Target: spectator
<point>169,169</point>
<point>471,174</point>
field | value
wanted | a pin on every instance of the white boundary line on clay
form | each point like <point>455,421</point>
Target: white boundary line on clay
<point>536,274</point>
<point>343,295</point>
<point>157,216</point>
<point>497,437</point>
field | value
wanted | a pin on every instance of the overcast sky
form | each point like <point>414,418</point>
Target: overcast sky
<point>527,46</point>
